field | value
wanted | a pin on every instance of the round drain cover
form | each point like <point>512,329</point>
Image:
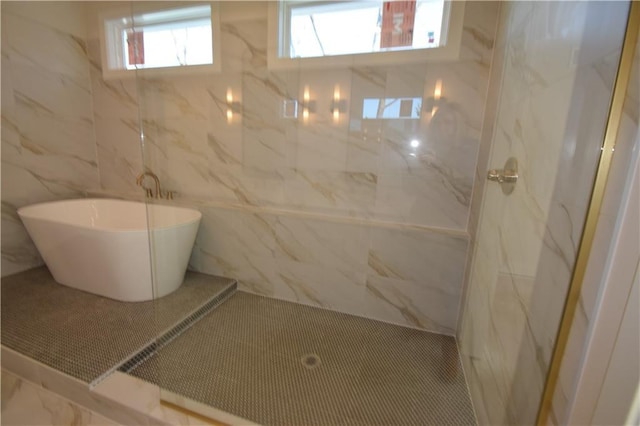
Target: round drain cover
<point>310,360</point>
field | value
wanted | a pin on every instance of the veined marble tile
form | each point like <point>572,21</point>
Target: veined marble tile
<point>177,151</point>
<point>238,245</point>
<point>363,147</point>
<point>233,233</point>
<point>317,285</point>
<point>463,87</point>
<point>250,35</point>
<point>320,146</point>
<point>266,132</point>
<point>435,199</point>
<point>170,98</point>
<point>79,393</point>
<point>322,243</point>
<point>479,30</point>
<point>11,148</point>
<point>114,98</point>
<point>18,251</point>
<point>119,153</point>
<point>73,167</point>
<point>346,193</point>
<point>224,136</point>
<point>37,45</point>
<point>24,403</point>
<point>410,304</point>
<point>65,17</point>
<point>51,94</point>
<point>35,185</point>
<point>425,258</point>
<point>364,138</point>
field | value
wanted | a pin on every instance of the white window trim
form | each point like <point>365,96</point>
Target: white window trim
<point>121,72</point>
<point>452,30</point>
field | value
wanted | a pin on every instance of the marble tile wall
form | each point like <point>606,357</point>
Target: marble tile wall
<point>48,140</point>
<point>344,215</point>
<point>553,105</point>
<point>626,143</point>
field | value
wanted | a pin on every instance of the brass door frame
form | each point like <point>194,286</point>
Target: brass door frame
<point>593,212</point>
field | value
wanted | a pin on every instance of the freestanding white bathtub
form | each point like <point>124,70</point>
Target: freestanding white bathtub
<point>110,247</point>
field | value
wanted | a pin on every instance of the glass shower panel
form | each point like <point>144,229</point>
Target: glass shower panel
<point>340,187</point>
<point>560,62</point>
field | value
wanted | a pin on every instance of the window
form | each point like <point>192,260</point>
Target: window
<point>363,32</point>
<point>169,39</point>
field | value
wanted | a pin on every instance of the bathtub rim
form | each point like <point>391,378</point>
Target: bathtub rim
<point>24,214</point>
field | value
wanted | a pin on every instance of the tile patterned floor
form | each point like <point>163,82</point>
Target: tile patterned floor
<point>84,335</point>
<point>280,363</point>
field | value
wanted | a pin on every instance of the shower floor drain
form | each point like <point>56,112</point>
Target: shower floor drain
<point>310,361</point>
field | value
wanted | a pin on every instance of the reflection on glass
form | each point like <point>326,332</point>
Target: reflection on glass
<point>391,108</point>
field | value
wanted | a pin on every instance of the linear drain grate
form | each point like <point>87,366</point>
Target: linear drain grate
<point>166,338</point>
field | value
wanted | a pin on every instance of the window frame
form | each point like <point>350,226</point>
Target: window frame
<point>278,43</point>
<point>112,44</point>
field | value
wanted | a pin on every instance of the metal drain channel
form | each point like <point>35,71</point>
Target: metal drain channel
<point>152,348</point>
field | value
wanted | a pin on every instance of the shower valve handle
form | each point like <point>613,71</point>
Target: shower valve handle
<point>506,177</point>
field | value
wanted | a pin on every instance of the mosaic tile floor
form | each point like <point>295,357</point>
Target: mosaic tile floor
<point>280,363</point>
<point>84,335</point>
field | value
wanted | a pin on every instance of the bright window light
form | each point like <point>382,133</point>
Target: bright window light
<point>170,46</point>
<point>167,38</point>
<point>351,27</point>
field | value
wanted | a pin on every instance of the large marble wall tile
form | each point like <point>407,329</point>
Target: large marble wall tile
<point>348,267</point>
<point>48,139</point>
<point>481,19</point>
<point>364,136</point>
<point>238,245</point>
<point>119,153</point>
<point>435,198</point>
<point>44,47</point>
<point>338,245</point>
<point>410,304</point>
<point>320,286</point>
<point>417,275</point>
<point>116,126</point>
<point>18,251</point>
<point>434,259</point>
<point>341,193</point>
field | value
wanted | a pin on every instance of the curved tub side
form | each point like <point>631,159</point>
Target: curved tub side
<point>110,262</point>
<point>170,253</point>
<point>114,265</point>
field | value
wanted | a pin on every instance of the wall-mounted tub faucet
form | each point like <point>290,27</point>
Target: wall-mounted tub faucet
<point>168,195</point>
